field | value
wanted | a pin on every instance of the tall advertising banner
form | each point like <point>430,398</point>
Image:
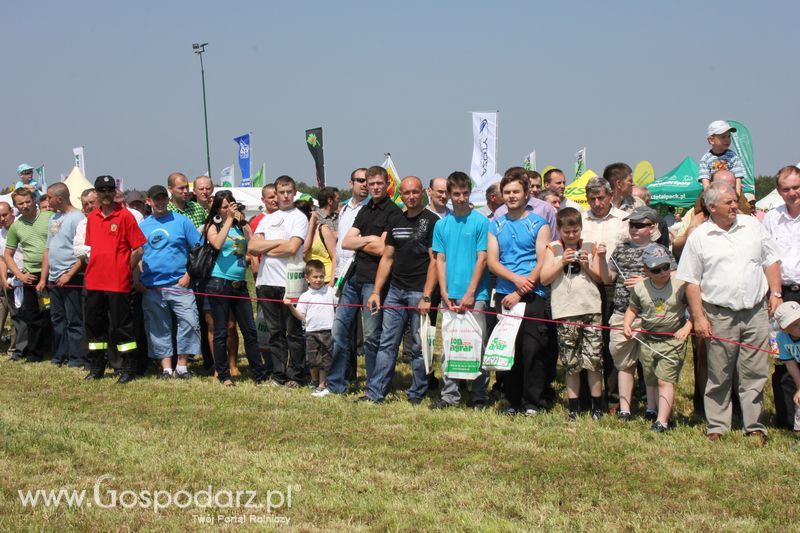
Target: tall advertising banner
<point>226,177</point>
<point>743,146</point>
<point>393,190</point>
<point>529,163</point>
<point>243,141</point>
<point>314,143</point>
<point>580,163</point>
<point>79,159</point>
<point>483,169</point>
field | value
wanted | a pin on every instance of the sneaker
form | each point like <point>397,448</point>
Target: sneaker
<point>510,411</point>
<point>184,375</point>
<point>440,405</point>
<point>321,393</point>
<point>292,385</point>
<point>573,416</point>
<point>228,383</point>
<point>480,405</point>
<point>531,412</point>
<point>165,375</point>
<point>597,414</point>
<point>624,416</point>
<point>658,427</point>
<point>368,401</point>
<point>415,401</point>
<point>650,415</point>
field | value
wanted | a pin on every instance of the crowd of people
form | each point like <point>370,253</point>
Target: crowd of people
<point>612,291</point>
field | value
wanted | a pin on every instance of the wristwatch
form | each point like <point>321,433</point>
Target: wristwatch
<point>426,299</point>
<point>775,294</point>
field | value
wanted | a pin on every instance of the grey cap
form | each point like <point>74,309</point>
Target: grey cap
<point>787,314</point>
<point>655,255</point>
<point>643,212</point>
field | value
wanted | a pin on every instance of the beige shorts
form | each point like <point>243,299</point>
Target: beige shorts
<point>662,359</point>
<point>624,351</point>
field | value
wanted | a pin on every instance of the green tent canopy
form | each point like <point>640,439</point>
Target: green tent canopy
<point>678,187</point>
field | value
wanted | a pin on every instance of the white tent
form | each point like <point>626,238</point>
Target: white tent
<point>770,201</point>
<point>76,184</point>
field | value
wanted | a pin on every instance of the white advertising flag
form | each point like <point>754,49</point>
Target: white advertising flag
<point>79,159</point>
<point>484,153</point>
<point>529,163</point>
<point>226,177</point>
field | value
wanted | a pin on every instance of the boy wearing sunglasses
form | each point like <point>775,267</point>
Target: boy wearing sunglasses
<point>660,303</point>
<point>625,270</point>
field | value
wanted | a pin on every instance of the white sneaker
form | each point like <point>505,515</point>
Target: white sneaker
<point>321,393</point>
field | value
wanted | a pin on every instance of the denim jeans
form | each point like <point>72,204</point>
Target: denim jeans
<point>243,311</point>
<point>66,312</point>
<point>394,324</point>
<point>354,293</point>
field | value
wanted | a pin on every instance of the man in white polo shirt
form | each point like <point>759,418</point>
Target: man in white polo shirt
<point>783,225</point>
<point>729,264</point>
<point>279,237</point>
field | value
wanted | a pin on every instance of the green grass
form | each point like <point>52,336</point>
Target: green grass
<point>367,467</point>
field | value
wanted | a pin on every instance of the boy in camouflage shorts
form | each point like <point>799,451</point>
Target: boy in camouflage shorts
<point>572,273</point>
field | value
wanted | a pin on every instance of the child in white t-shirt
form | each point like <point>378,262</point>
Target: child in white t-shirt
<point>315,308</point>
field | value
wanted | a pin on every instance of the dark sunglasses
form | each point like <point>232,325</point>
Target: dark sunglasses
<point>659,270</point>
<point>360,180</point>
<point>640,225</point>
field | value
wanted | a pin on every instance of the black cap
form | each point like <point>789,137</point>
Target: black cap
<point>105,182</point>
<point>156,190</point>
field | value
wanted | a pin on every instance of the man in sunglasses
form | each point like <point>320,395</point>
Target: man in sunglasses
<point>116,243</point>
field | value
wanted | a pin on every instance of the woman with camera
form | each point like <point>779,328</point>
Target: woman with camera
<point>227,231</point>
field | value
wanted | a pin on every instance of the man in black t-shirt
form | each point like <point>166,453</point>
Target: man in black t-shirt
<point>408,257</point>
<point>366,238</point>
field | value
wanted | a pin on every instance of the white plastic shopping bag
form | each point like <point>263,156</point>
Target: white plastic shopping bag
<point>499,355</point>
<point>427,337</point>
<point>462,343</point>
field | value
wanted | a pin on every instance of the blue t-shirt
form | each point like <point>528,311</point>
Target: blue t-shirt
<point>230,263</point>
<point>788,349</point>
<point>517,242</point>
<point>460,239</point>
<point>711,162</point>
<point>169,239</point>
<point>60,234</point>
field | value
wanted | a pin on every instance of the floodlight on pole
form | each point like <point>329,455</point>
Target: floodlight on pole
<point>199,49</point>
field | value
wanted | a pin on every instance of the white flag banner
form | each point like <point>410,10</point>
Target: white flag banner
<point>580,163</point>
<point>226,177</point>
<point>529,163</point>
<point>483,169</point>
<point>79,159</point>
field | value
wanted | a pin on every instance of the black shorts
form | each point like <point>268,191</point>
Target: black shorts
<point>319,349</point>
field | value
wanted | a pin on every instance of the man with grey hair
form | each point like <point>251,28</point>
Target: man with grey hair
<point>604,223</point>
<point>732,248</point>
<point>493,199</point>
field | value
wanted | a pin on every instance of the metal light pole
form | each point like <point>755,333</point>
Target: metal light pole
<point>199,49</point>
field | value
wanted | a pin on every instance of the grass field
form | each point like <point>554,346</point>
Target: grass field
<point>350,466</point>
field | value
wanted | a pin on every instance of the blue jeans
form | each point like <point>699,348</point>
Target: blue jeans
<point>160,306</point>
<point>242,309</point>
<point>66,312</point>
<point>394,324</point>
<point>354,293</point>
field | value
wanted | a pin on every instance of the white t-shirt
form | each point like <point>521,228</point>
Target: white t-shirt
<point>347,216</point>
<point>280,225</point>
<point>317,307</point>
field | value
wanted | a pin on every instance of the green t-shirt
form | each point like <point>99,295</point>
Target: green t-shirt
<point>32,238</point>
<point>660,309</point>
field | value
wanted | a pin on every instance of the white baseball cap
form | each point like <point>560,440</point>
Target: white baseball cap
<point>718,127</point>
<point>787,314</point>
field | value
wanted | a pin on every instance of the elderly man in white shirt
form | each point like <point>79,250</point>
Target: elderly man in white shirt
<point>783,225</point>
<point>729,264</point>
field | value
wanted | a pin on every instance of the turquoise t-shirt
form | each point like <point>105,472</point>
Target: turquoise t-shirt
<point>169,239</point>
<point>517,242</point>
<point>230,263</point>
<point>460,239</point>
<point>788,348</point>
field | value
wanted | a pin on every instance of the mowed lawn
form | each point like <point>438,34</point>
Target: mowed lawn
<point>351,466</point>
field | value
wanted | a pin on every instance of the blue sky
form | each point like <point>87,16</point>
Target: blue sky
<point>628,80</point>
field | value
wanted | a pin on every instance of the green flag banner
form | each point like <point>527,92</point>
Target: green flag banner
<point>678,187</point>
<point>258,179</point>
<point>743,146</point>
